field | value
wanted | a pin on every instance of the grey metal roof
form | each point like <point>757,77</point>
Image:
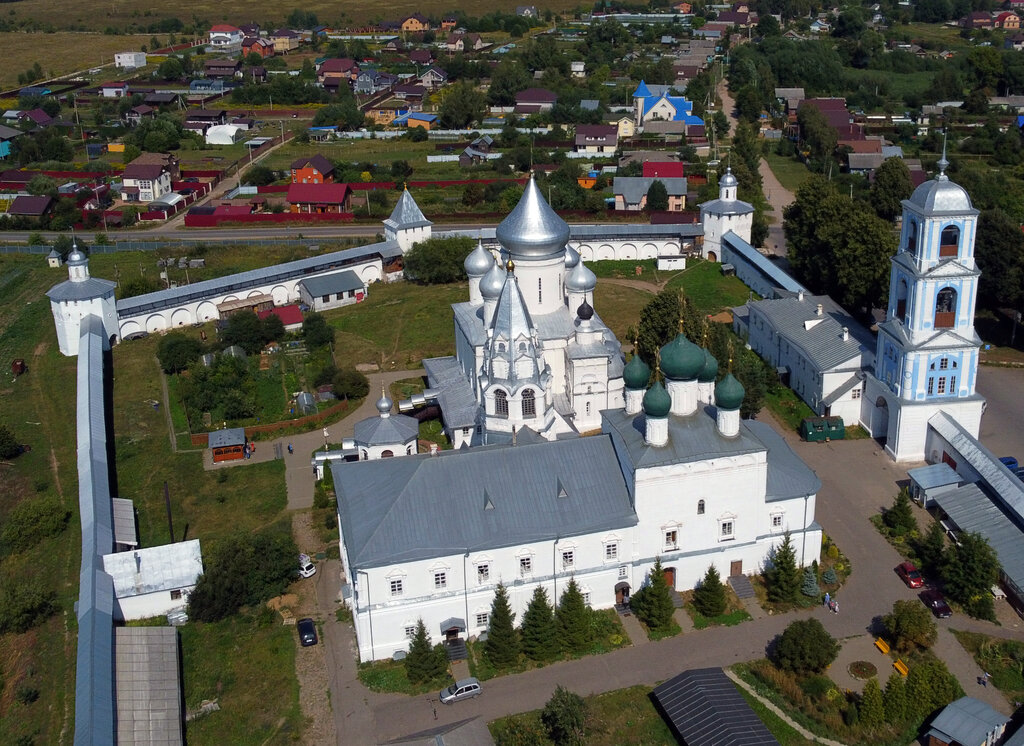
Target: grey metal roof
<point>967,721</point>
<point>124,522</point>
<point>776,275</point>
<point>940,196</point>
<point>166,567</point>
<point>788,475</point>
<point>555,325</point>
<point>692,438</point>
<point>407,214</point>
<point>232,436</point>
<point>379,431</point>
<point>253,278</point>
<point>636,231</point>
<point>335,282</point>
<point>633,188</point>
<point>446,493</point>
<point>470,320</point>
<point>934,475</point>
<point>726,207</point>
<point>88,289</point>
<point>148,686</point>
<point>1004,484</point>
<point>848,385</point>
<point>820,338</point>
<point>455,394</point>
<point>704,708</point>
<point>975,512</point>
<point>532,229</point>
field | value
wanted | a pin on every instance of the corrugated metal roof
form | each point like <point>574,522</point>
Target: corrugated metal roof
<point>446,494</point>
<point>820,338</point>
<point>455,394</point>
<point>967,721</point>
<point>70,290</point>
<point>124,522</point>
<point>253,278</point>
<point>335,282</point>
<point>379,431</point>
<point>166,567</point>
<point>760,262</point>
<point>934,475</point>
<point>407,213</point>
<point>704,708</point>
<point>232,436</point>
<point>148,686</point>
<point>634,188</point>
<point>788,475</point>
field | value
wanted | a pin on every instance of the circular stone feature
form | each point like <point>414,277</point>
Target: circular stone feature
<point>862,670</point>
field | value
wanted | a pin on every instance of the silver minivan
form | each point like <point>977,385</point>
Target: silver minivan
<point>463,689</point>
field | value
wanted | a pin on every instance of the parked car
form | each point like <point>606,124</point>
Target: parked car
<point>1009,462</point>
<point>465,689</point>
<point>307,632</point>
<point>935,601</point>
<point>910,574</point>
<point>306,567</point>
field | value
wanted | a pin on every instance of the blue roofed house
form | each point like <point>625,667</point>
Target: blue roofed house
<point>966,722</point>
<point>7,135</point>
<point>655,102</point>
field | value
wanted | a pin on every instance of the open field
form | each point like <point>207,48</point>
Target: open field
<point>120,14</point>
<point>62,52</point>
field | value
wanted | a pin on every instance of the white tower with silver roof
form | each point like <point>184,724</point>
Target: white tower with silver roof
<point>79,296</point>
<point>407,224</point>
<point>727,213</point>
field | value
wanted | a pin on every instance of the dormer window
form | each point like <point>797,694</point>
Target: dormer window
<point>949,243</point>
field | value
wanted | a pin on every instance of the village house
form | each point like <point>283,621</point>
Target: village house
<point>130,60</point>
<point>145,181</point>
<point>200,120</point>
<point>30,206</point>
<point>419,119</point>
<point>333,72</point>
<point>415,23</point>
<point>315,169</point>
<point>421,57</point>
<point>224,69</point>
<point>285,40</point>
<point>137,114</point>
<point>319,198</point>
<point>333,290</point>
<point>464,42</point>
<point>631,193</point>
<point>433,78</point>
<point>257,45</point>
<point>1008,21</point>
<point>535,101</point>
<point>226,38</point>
<point>116,89</point>
<point>596,138</point>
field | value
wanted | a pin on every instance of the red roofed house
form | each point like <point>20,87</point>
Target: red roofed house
<point>1008,20</point>
<point>535,101</point>
<point>663,169</point>
<point>290,315</point>
<point>30,206</point>
<point>145,181</point>
<point>257,45</point>
<point>312,170</point>
<point>116,89</point>
<point>330,73</point>
<point>319,198</point>
<point>226,38</point>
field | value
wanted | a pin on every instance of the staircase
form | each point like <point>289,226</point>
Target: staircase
<point>456,650</point>
<point>741,586</point>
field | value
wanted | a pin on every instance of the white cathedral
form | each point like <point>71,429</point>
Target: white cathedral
<point>569,464</point>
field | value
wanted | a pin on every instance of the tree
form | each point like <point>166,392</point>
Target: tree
<point>463,104</point>
<point>573,619</point>
<point>932,548</point>
<point>709,597</point>
<point>910,626</point>
<point>538,632</point>
<point>659,323</point>
<point>809,586</point>
<point>970,570</point>
<point>171,69</point>
<point>438,260</point>
<point>245,330</point>
<point>425,662</point>
<point>316,331</point>
<point>782,574</point>
<point>564,717</point>
<point>930,686</point>
<point>176,351</point>
<point>872,709</point>
<point>9,445</point>
<point>273,328</point>
<point>508,78</point>
<point>258,176</point>
<point>652,604</point>
<point>804,647</point>
<point>892,184</point>
<point>829,576</point>
<point>657,197</point>
<point>894,699</point>
<point>400,170</point>
<point>999,251</point>
<point>23,604</point>
<point>30,522</point>
<point>42,184</point>
<point>502,646</point>
<point>349,383</point>
<point>900,517</point>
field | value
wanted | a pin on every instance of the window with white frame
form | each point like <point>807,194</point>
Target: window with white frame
<point>440,580</point>
<point>525,566</point>
<point>483,573</point>
<point>410,632</point>
<point>856,393</point>
<point>727,529</point>
<point>611,551</point>
<point>671,539</point>
<point>623,572</point>
<point>586,598</point>
<point>777,520</point>
<point>396,586</point>
<point>568,559</point>
<point>481,619</point>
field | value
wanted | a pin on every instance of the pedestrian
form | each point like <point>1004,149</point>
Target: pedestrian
<point>835,605</point>
<point>290,449</point>
<point>828,599</point>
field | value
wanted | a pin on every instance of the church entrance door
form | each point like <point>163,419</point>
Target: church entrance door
<point>670,577</point>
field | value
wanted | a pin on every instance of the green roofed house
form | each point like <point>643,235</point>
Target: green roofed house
<point>334,290</point>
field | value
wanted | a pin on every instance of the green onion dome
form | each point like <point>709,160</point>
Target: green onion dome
<point>729,393</point>
<point>636,374</point>
<point>657,402</point>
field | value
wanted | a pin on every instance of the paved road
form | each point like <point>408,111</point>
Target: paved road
<point>1002,426</point>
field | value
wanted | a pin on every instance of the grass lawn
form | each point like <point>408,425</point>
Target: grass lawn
<point>707,288</point>
<point>626,270</point>
<point>900,84</point>
<point>247,664</point>
<point>784,733</point>
<point>790,409</point>
<point>621,718</point>
<point>619,307</point>
<point>790,172</point>
<point>1000,658</point>
<point>62,52</point>
<point>389,676</point>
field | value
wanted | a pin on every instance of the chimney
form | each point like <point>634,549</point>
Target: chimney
<point>846,334</point>
<point>433,449</point>
<point>819,310</point>
<point>800,295</point>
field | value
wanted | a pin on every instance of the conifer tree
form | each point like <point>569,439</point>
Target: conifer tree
<point>574,629</point>
<point>900,517</point>
<point>782,576</point>
<point>424,662</point>
<point>539,632</point>
<point>810,585</point>
<point>709,596</point>
<point>895,699</point>
<point>932,549</point>
<point>502,646</point>
<point>654,607</point>
<point>872,711</point>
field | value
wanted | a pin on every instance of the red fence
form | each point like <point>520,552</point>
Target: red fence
<point>212,221</point>
<point>203,439</point>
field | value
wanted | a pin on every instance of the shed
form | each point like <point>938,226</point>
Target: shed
<point>966,722</point>
<point>332,290</point>
<point>227,444</point>
<point>224,134</point>
<point>305,403</point>
<point>148,686</point>
<point>928,481</point>
<point>152,581</point>
<point>822,429</point>
<point>126,536</point>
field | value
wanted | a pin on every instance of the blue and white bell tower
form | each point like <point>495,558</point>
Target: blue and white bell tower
<point>927,356</point>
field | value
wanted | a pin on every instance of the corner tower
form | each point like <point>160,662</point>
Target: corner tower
<point>79,296</point>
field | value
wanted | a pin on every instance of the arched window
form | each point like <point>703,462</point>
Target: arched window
<point>540,291</point>
<point>901,300</point>
<point>386,454</point>
<point>912,237</point>
<point>945,309</point>
<point>529,404</point>
<point>700,507</point>
<point>501,403</point>
<point>949,243</point>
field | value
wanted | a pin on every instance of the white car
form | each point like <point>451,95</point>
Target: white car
<point>306,567</point>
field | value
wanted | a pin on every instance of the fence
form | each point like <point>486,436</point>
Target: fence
<point>182,245</point>
<point>203,439</point>
<point>212,221</point>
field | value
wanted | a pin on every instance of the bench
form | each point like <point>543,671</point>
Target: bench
<point>882,645</point>
<point>900,666</point>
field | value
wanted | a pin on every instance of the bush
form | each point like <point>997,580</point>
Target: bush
<point>910,626</point>
<point>176,351</point>
<point>900,517</point>
<point>810,585</point>
<point>351,384</point>
<point>564,717</point>
<point>23,605</point>
<point>26,694</point>
<point>31,521</point>
<point>438,260</point>
<point>829,576</point>
<point>9,445</point>
<point>709,597</point>
<point>805,646</point>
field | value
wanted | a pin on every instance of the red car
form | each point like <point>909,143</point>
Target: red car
<point>910,575</point>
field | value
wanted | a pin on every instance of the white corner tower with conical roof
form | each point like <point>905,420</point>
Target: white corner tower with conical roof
<point>79,296</point>
<point>727,213</point>
<point>407,224</point>
<point>927,355</point>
